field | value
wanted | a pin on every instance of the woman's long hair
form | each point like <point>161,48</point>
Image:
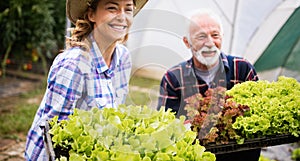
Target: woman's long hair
<point>79,33</point>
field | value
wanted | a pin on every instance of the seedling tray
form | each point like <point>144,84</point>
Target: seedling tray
<point>53,153</point>
<point>232,146</point>
<point>249,144</point>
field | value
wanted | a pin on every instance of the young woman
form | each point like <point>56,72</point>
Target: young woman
<point>94,69</point>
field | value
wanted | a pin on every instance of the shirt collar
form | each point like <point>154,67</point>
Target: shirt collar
<point>189,67</point>
<point>225,61</point>
<point>99,61</point>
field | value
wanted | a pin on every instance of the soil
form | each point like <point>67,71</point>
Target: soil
<point>11,87</point>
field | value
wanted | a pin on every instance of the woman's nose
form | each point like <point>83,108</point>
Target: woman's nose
<point>121,16</point>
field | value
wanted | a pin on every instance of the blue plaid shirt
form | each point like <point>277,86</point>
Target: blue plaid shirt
<point>79,80</point>
<point>180,81</point>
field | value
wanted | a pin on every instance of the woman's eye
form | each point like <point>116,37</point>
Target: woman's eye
<point>129,9</point>
<point>112,8</point>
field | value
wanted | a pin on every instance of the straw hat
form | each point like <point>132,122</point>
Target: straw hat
<point>76,8</point>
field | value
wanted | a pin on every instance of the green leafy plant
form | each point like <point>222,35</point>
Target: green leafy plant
<point>212,116</point>
<point>296,154</point>
<point>126,133</point>
<point>262,158</point>
<point>274,107</point>
<point>248,110</point>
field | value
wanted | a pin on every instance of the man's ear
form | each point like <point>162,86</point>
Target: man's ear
<point>186,42</point>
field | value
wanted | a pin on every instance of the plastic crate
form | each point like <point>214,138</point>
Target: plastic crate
<point>52,153</point>
<point>232,146</point>
<point>249,144</point>
<point>48,143</point>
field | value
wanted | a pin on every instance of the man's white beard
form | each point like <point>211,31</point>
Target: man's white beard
<point>208,61</point>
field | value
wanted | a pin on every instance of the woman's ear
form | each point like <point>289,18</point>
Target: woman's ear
<point>186,42</point>
<point>91,15</point>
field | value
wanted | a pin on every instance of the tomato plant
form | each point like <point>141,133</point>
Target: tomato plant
<point>31,30</point>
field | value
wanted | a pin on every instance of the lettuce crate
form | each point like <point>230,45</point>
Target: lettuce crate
<point>249,144</point>
<point>232,146</point>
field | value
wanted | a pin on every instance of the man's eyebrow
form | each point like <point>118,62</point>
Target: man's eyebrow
<point>200,33</point>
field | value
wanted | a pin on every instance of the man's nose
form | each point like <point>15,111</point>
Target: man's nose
<point>209,42</point>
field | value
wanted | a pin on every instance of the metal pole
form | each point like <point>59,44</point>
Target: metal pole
<point>233,26</point>
<point>67,33</point>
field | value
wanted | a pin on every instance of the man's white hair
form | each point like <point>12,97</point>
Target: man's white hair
<point>198,13</point>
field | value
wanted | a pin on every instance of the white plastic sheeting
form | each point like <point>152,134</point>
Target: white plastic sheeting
<point>155,39</point>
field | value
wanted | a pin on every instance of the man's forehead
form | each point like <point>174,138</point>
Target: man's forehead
<point>202,27</point>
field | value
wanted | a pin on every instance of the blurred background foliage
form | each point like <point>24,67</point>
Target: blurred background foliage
<point>32,32</point>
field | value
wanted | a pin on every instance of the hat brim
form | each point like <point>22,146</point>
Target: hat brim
<point>76,8</point>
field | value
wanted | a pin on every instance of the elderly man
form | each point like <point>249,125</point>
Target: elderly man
<point>209,67</point>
